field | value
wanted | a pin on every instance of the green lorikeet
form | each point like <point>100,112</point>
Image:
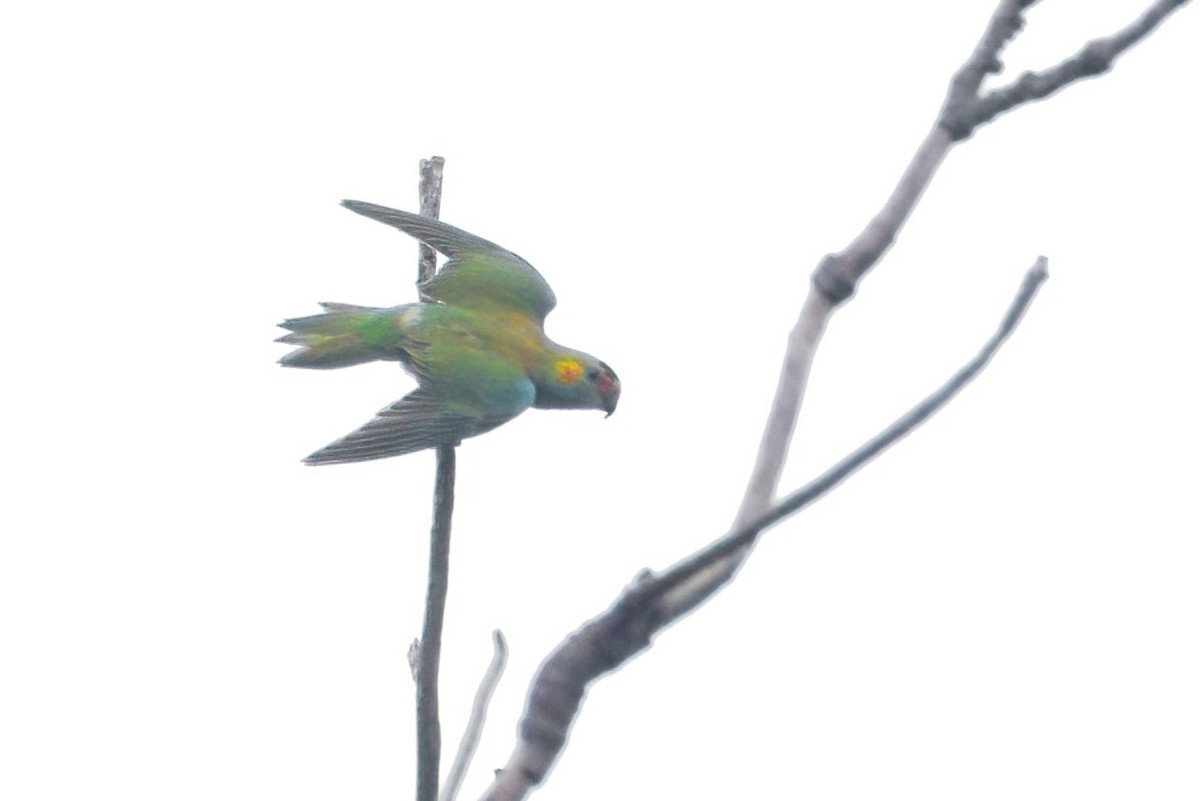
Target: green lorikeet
<point>475,345</point>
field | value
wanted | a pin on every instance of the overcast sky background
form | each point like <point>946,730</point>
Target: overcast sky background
<point>1004,605</point>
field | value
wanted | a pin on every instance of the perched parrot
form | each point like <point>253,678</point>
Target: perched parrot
<point>475,345</point>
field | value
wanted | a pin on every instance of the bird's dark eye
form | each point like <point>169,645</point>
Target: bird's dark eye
<point>593,374</point>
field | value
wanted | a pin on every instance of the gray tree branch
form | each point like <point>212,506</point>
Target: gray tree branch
<point>652,603</point>
<point>648,605</point>
<point>428,657</point>
<point>474,728</point>
<point>963,114</point>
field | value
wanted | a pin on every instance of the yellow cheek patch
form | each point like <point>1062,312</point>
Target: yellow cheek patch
<point>569,370</point>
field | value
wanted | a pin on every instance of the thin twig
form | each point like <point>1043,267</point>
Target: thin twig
<point>650,604</point>
<point>474,729</point>
<point>429,733</point>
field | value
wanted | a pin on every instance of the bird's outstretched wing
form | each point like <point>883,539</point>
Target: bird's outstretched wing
<point>479,274</point>
<point>417,421</point>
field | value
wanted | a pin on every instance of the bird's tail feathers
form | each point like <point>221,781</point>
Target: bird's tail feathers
<point>329,340</point>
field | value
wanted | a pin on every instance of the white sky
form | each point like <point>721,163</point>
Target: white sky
<point>1004,606</point>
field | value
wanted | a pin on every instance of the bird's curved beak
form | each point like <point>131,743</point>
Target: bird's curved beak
<point>610,399</point>
<point>610,389</point>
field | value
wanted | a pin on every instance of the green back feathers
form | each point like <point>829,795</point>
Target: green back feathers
<point>479,274</point>
<point>488,282</point>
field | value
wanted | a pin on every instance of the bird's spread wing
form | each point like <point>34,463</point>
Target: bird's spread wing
<point>418,421</point>
<point>479,274</point>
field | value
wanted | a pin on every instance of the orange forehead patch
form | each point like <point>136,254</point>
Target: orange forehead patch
<point>569,371</point>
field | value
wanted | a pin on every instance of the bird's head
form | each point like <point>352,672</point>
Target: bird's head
<point>578,381</point>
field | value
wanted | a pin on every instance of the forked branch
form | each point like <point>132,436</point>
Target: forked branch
<point>653,602</point>
<point>650,604</point>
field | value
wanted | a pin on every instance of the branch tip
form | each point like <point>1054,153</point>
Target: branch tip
<point>474,728</point>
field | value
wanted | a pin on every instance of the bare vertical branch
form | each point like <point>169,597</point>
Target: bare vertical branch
<point>429,730</point>
<point>431,206</point>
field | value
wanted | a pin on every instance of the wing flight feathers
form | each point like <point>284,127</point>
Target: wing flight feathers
<point>479,274</point>
<point>417,421</point>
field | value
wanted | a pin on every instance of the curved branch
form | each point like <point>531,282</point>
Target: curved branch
<point>747,534</point>
<point>474,729</point>
<point>838,274</point>
<point>652,603</point>
<point>627,627</point>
